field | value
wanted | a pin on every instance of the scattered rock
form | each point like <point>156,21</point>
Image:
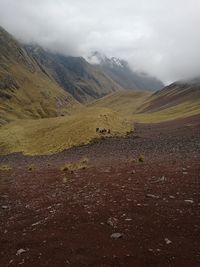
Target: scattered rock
<point>161,179</point>
<point>116,235</point>
<point>4,207</point>
<point>128,219</point>
<point>34,224</point>
<point>152,196</point>
<point>112,222</point>
<point>11,261</point>
<point>189,201</point>
<point>20,251</point>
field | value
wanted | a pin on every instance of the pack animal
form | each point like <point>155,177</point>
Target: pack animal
<point>102,130</point>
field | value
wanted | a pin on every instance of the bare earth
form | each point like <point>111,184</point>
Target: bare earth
<point>49,217</point>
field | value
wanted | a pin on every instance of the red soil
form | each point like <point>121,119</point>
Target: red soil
<point>174,94</point>
<point>61,218</point>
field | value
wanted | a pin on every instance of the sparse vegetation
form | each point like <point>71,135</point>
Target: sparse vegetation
<point>85,160</point>
<point>125,102</point>
<point>141,158</point>
<point>132,160</point>
<point>31,167</point>
<point>48,136</point>
<point>75,166</point>
<point>4,167</point>
<point>65,179</point>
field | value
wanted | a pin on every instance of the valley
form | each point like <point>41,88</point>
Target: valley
<point>99,164</point>
<point>134,203</point>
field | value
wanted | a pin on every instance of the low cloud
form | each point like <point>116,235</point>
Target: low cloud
<point>159,37</point>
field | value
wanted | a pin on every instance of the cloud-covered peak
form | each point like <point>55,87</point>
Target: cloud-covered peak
<point>159,37</point>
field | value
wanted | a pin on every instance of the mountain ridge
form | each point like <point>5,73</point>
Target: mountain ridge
<point>25,91</point>
<point>120,71</point>
<point>79,78</point>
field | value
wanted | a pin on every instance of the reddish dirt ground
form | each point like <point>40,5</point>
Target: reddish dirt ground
<point>67,219</point>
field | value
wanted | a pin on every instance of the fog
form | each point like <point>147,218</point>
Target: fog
<point>160,37</point>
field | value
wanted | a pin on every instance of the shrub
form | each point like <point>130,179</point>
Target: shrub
<point>132,160</point>
<point>31,167</point>
<point>141,158</point>
<point>74,166</point>
<point>5,167</point>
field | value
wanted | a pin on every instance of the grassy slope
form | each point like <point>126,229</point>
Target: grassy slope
<point>171,96</point>
<point>183,110</point>
<point>46,136</point>
<point>81,79</point>
<point>173,102</point>
<point>25,91</point>
<point>37,97</point>
<point>116,112</point>
<point>124,102</point>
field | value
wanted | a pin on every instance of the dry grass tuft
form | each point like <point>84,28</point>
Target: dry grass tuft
<point>31,167</point>
<point>52,135</point>
<point>75,166</point>
<point>141,158</point>
<point>4,167</point>
<point>132,160</point>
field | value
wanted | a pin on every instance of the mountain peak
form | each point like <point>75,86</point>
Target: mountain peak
<point>120,71</point>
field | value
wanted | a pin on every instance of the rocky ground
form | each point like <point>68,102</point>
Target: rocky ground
<point>116,212</point>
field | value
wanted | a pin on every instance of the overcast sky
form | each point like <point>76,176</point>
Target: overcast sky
<point>161,37</point>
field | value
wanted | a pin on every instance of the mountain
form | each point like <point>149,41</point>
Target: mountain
<point>178,93</point>
<point>26,91</point>
<point>83,81</point>
<point>120,71</point>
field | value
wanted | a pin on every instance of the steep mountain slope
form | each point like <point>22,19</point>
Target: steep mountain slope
<point>120,72</point>
<point>82,80</point>
<point>173,95</point>
<point>25,90</point>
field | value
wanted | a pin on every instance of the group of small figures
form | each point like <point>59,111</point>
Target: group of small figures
<point>103,130</point>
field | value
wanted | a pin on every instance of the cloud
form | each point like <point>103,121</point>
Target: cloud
<point>159,37</point>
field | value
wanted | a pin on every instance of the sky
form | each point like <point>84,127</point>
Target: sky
<point>160,37</point>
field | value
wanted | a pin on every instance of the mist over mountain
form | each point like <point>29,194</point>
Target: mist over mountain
<point>82,80</point>
<point>26,91</point>
<point>120,71</point>
<point>161,38</point>
<point>99,133</point>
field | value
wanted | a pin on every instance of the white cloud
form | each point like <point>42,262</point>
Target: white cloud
<point>159,37</point>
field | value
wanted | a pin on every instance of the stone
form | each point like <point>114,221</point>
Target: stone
<point>167,241</point>
<point>152,196</point>
<point>20,251</point>
<point>4,207</point>
<point>112,222</point>
<point>189,201</point>
<point>116,235</point>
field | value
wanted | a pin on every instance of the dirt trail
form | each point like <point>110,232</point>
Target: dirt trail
<point>49,217</point>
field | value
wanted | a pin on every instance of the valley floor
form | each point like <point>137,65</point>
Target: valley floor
<point>51,217</point>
